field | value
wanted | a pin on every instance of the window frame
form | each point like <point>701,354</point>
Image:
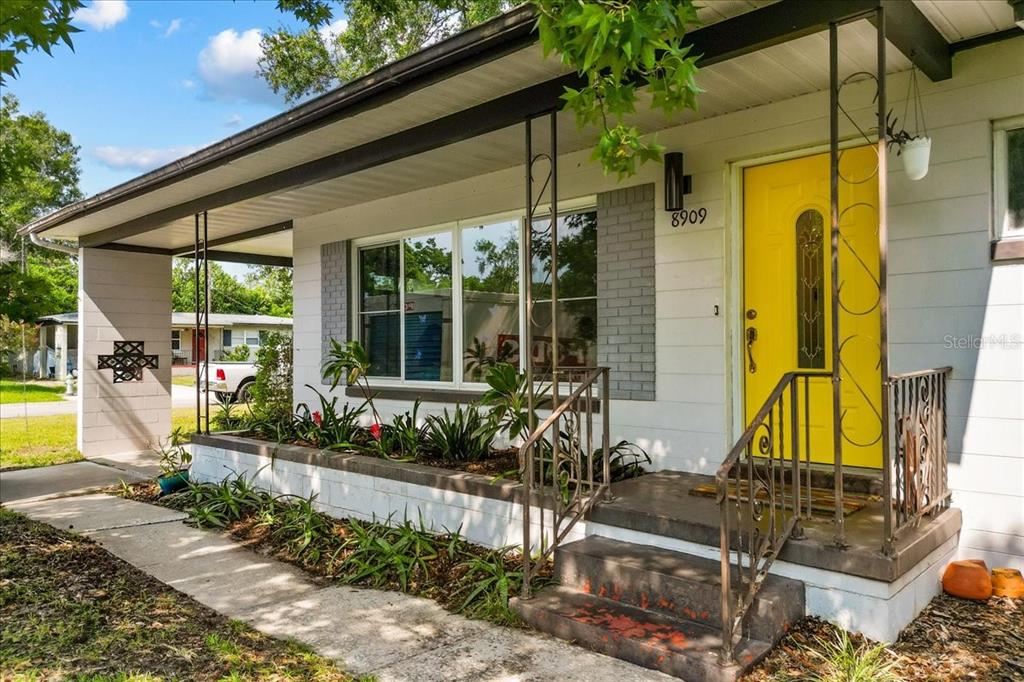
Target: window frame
<point>1000,179</point>
<point>228,334</point>
<point>454,229</point>
<point>175,338</point>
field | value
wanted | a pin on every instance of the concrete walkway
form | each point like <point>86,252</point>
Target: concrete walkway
<point>368,632</point>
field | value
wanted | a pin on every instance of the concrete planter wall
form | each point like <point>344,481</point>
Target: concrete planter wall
<point>490,513</point>
<point>370,488</point>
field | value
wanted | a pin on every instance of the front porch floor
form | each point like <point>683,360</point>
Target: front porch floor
<point>660,503</point>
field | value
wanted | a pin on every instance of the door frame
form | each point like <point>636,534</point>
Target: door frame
<point>735,401</point>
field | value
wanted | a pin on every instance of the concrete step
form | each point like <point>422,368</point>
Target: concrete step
<point>673,584</point>
<point>682,648</point>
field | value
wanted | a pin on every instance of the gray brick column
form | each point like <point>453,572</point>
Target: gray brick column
<point>625,290</point>
<point>334,295</point>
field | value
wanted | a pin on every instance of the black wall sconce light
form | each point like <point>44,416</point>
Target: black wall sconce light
<point>676,184</point>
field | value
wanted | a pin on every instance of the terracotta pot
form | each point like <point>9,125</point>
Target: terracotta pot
<point>968,580</point>
<point>1007,582</point>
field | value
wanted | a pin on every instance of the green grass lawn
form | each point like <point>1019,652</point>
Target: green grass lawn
<point>15,391</point>
<point>72,611</point>
<point>42,441</point>
<point>183,380</point>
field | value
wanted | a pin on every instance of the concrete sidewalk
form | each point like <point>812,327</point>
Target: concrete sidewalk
<point>390,635</point>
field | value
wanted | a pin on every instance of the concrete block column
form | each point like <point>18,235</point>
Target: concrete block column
<point>123,296</point>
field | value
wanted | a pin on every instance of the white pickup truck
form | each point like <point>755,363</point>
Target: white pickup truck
<point>231,380</point>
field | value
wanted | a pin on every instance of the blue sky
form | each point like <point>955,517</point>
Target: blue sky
<point>152,80</point>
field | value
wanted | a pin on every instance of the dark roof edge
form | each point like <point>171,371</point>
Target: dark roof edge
<point>489,40</point>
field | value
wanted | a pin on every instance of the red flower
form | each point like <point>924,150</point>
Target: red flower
<point>375,431</point>
<point>317,418</point>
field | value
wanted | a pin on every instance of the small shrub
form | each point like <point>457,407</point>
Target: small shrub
<point>236,354</point>
<point>464,435</point>
<point>272,389</point>
<point>844,661</point>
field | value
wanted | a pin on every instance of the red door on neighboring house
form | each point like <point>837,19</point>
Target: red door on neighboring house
<point>198,346</point>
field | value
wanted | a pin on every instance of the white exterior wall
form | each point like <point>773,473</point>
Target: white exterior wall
<point>123,296</point>
<point>941,281</point>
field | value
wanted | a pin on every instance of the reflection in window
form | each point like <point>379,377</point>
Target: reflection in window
<point>1015,179</point>
<point>810,301</point>
<point>378,308</point>
<point>490,297</point>
<point>428,308</point>
<point>577,292</point>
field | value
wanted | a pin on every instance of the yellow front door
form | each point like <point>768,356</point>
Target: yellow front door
<point>787,299</point>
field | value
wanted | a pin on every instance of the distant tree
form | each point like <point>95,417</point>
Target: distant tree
<point>39,171</point>
<point>33,25</point>
<point>227,294</point>
<point>320,55</point>
<point>275,285</point>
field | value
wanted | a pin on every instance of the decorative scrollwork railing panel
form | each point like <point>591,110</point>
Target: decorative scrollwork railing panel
<point>764,489</point>
<point>563,473</point>
<point>917,470</point>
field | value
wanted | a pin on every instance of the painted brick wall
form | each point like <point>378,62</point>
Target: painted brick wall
<point>334,299</point>
<point>625,290</point>
<point>123,296</point>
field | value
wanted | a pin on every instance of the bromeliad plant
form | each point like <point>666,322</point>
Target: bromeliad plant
<point>328,428</point>
<point>402,439</point>
<point>464,435</point>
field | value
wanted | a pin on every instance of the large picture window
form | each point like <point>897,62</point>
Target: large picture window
<point>445,305</point>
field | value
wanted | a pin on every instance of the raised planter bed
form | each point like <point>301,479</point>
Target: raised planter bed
<point>484,510</point>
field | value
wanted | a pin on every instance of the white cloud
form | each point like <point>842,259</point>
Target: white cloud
<point>330,32</point>
<point>172,27</point>
<point>102,14</point>
<point>154,23</point>
<point>233,121</point>
<point>139,159</point>
<point>228,67</point>
<point>188,84</point>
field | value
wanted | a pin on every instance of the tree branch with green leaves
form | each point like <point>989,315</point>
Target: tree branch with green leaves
<point>620,47</point>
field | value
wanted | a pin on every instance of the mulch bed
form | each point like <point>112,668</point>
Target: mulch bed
<point>71,610</point>
<point>952,639</point>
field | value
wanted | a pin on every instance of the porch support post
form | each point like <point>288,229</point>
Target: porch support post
<point>837,414</point>
<point>202,328</point>
<point>123,297</point>
<point>527,347</point>
<point>883,305</point>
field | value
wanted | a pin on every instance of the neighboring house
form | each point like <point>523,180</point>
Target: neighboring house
<point>723,323</point>
<point>58,339</point>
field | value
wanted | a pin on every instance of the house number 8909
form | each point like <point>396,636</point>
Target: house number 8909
<point>694,217</point>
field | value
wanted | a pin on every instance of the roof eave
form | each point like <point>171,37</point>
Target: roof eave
<point>491,39</point>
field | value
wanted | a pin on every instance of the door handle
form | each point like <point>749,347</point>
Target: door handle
<point>751,337</point>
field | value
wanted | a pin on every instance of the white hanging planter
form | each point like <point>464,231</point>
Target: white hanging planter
<point>915,154</point>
